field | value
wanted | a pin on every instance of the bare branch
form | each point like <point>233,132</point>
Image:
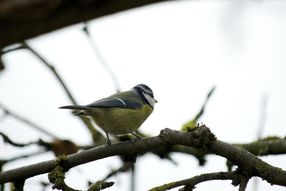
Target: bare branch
<point>261,126</point>
<point>262,147</point>
<point>8,140</point>
<point>197,153</point>
<point>124,168</point>
<point>52,69</point>
<point>23,156</point>
<point>192,182</point>
<point>194,122</point>
<point>200,138</point>
<point>26,121</point>
<point>18,22</point>
<point>96,135</point>
<point>101,58</point>
<point>243,184</point>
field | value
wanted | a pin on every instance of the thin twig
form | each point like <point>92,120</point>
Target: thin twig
<point>52,69</point>
<point>26,121</point>
<point>201,112</point>
<point>96,135</point>
<point>24,156</point>
<point>193,122</point>
<point>101,58</point>
<point>8,140</point>
<point>261,127</point>
<point>262,119</point>
<point>197,153</point>
<point>192,182</point>
<point>124,168</point>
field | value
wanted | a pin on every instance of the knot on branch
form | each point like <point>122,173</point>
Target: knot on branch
<point>62,162</point>
<point>200,137</point>
<point>166,135</point>
<point>203,136</point>
<point>57,176</point>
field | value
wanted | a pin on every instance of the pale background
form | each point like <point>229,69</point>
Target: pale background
<point>180,49</point>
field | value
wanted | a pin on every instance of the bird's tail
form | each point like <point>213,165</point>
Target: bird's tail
<point>78,109</point>
<point>75,107</point>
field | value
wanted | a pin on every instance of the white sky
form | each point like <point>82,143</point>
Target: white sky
<point>180,49</point>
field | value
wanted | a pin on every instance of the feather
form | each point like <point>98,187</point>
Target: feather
<point>75,107</point>
<point>116,102</point>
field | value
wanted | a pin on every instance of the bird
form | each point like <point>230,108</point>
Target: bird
<point>120,113</point>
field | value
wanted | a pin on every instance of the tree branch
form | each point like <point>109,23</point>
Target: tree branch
<point>192,182</point>
<point>101,58</point>
<point>200,138</point>
<point>96,135</point>
<point>21,20</point>
<point>126,166</point>
<point>26,121</point>
<point>262,147</point>
<point>243,184</point>
<point>6,139</point>
<point>265,146</point>
<point>194,122</point>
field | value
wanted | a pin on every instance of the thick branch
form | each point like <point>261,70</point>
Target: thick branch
<point>264,147</point>
<point>21,20</point>
<point>249,162</point>
<point>199,138</point>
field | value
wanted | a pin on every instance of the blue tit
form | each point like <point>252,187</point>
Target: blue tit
<point>120,113</point>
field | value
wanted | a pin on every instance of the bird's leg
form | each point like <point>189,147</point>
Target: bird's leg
<point>108,140</point>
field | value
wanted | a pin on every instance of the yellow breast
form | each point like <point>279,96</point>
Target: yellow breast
<point>121,120</point>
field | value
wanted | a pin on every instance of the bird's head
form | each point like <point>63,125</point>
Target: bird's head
<point>146,94</point>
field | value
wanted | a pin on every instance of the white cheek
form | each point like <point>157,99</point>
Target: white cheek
<point>149,99</point>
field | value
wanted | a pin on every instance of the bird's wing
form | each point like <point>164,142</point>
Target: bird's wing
<point>116,102</point>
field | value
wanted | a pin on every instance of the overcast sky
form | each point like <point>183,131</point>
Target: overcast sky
<point>180,49</point>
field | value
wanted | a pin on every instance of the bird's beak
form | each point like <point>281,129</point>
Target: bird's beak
<point>155,101</point>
